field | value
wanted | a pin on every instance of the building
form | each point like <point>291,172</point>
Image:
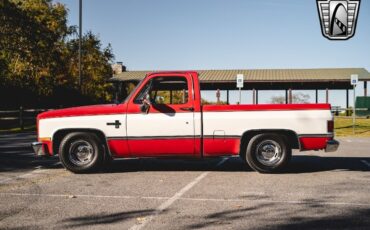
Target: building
<point>265,79</point>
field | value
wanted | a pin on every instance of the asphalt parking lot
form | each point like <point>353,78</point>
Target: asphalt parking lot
<point>318,191</point>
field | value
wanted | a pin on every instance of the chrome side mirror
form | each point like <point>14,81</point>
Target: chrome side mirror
<point>145,105</point>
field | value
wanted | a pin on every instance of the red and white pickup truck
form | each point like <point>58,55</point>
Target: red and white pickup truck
<point>164,117</point>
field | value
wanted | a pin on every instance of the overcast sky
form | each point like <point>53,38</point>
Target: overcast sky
<point>222,34</point>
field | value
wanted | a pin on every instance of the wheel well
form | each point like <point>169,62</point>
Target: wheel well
<point>290,136</point>
<point>60,134</point>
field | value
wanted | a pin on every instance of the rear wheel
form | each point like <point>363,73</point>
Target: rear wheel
<point>81,152</point>
<point>268,153</point>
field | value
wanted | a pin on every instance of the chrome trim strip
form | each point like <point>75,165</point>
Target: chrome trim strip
<point>171,137</point>
<point>316,135</point>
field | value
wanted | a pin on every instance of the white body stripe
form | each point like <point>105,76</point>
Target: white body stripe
<point>160,124</point>
<point>185,124</point>
<point>236,123</point>
<point>47,127</point>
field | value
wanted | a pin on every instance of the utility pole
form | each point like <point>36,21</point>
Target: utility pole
<point>79,46</point>
<point>354,82</point>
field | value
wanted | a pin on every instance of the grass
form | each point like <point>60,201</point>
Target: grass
<point>343,127</point>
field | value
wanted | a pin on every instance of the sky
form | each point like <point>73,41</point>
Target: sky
<point>223,34</point>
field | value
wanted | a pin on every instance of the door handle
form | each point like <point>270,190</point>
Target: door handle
<point>187,109</point>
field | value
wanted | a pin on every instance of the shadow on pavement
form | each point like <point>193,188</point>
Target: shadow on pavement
<point>309,164</point>
<point>278,216</point>
<point>24,159</point>
<point>101,219</point>
<point>299,164</point>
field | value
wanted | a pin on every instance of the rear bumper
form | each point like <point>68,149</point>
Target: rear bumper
<point>39,149</point>
<point>331,146</point>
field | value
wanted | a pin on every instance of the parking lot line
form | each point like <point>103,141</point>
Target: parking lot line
<point>84,196</point>
<point>23,176</point>
<point>175,197</point>
<point>332,203</point>
<point>366,163</point>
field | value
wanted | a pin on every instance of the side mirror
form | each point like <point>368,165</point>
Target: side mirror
<point>145,106</point>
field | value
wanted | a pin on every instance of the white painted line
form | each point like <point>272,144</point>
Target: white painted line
<point>348,140</point>
<point>190,199</point>
<point>84,196</point>
<point>23,176</point>
<point>366,163</point>
<point>171,200</point>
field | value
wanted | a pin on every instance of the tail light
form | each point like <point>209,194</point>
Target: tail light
<point>330,126</point>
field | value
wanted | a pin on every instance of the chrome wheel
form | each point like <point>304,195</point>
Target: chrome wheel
<point>81,153</point>
<point>269,152</point>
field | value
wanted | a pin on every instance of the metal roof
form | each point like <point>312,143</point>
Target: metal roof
<point>264,75</point>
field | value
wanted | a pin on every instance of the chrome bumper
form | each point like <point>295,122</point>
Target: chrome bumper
<point>39,148</point>
<point>331,146</point>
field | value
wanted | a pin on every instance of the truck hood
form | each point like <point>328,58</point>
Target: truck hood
<point>92,110</point>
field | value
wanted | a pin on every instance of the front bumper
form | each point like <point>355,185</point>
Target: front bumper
<point>331,146</point>
<point>40,149</point>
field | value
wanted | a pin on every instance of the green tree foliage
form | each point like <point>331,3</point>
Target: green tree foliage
<point>39,54</point>
<point>95,64</point>
<point>297,98</point>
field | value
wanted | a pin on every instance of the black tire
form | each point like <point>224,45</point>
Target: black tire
<point>81,152</point>
<point>268,153</point>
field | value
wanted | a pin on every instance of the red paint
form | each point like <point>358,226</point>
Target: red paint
<point>175,108</point>
<point>118,148</point>
<point>276,107</point>
<point>84,111</point>
<point>220,147</point>
<point>313,143</point>
<point>161,147</point>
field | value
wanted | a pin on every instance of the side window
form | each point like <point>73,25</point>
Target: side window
<point>166,90</point>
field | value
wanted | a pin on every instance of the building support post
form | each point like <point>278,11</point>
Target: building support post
<point>286,96</point>
<point>365,88</point>
<point>227,97</point>
<point>290,96</point>
<point>327,96</point>
<point>317,96</point>
<point>347,102</point>
<point>254,97</point>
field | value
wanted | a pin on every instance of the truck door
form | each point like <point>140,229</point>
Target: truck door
<point>167,129</point>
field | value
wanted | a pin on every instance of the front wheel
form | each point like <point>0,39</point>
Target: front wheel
<point>268,153</point>
<point>81,152</point>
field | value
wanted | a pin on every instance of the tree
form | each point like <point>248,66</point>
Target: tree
<point>38,56</point>
<point>95,64</point>
<point>277,100</point>
<point>297,98</point>
<point>32,36</point>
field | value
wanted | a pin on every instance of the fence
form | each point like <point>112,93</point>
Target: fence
<point>337,109</point>
<point>19,118</point>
